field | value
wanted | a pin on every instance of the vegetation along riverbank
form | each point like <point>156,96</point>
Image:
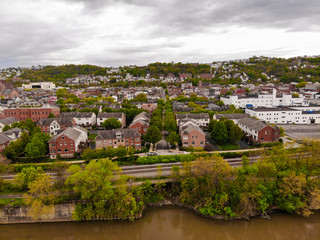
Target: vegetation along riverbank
<point>284,179</point>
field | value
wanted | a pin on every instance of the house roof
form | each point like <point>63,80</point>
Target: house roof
<point>192,115</point>
<point>232,115</point>
<point>59,120</point>
<point>8,120</point>
<point>73,133</point>
<point>253,123</point>
<point>4,139</point>
<point>189,128</point>
<point>111,134</point>
<point>76,114</point>
<point>110,115</point>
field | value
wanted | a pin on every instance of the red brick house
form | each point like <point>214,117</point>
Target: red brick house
<point>258,132</point>
<point>141,122</point>
<point>35,114</point>
<point>68,142</point>
<point>192,135</point>
<point>119,137</point>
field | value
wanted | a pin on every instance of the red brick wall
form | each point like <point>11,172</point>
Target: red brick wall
<point>194,139</point>
<point>119,142</point>
<point>35,114</point>
<point>62,144</point>
<point>142,130</point>
<point>268,134</point>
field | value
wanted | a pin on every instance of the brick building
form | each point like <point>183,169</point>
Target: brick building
<point>119,137</point>
<point>53,125</point>
<point>68,142</point>
<point>35,114</point>
<point>258,132</point>
<point>192,134</point>
<point>141,122</point>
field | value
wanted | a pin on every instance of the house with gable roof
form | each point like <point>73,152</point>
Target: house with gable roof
<point>68,142</point>
<point>119,137</point>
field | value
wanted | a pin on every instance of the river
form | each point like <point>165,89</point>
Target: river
<point>172,223</point>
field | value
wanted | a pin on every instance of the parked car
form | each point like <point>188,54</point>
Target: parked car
<point>152,154</point>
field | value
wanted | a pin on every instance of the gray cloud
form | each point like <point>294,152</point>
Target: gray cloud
<point>161,33</point>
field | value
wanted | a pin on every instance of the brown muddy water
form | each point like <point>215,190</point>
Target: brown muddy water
<point>172,223</point>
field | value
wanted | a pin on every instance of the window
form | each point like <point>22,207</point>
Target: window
<point>62,137</point>
<point>193,143</point>
<point>59,150</point>
<point>66,150</point>
<point>71,149</point>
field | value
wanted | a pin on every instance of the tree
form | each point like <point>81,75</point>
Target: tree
<point>156,121</point>
<point>219,133</point>
<point>6,128</point>
<point>38,146</point>
<point>173,138</point>
<point>41,196</point>
<point>235,133</point>
<point>51,115</point>
<point>111,123</point>
<point>153,135</point>
<point>121,151</point>
<point>28,175</point>
<point>141,97</point>
<point>99,197</point>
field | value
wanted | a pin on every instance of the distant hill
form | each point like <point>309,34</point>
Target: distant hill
<point>264,69</point>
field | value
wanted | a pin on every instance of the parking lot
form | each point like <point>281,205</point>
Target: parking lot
<point>300,132</point>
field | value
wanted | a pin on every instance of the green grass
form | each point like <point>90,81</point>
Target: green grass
<point>229,146</point>
<point>13,202</point>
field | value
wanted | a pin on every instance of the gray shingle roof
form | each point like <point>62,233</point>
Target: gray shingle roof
<point>8,120</point>
<point>76,114</point>
<point>192,115</point>
<point>111,134</point>
<point>110,115</point>
<point>253,123</point>
<point>4,139</point>
<point>232,115</point>
<point>72,133</point>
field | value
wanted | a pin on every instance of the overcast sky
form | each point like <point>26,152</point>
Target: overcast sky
<point>124,32</point>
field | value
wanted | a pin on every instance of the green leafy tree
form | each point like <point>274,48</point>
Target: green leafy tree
<point>173,138</point>
<point>38,146</point>
<point>41,196</point>
<point>100,198</point>
<point>153,135</point>
<point>235,133</point>
<point>220,133</point>
<point>111,123</point>
<point>6,128</point>
<point>27,176</point>
<point>51,115</point>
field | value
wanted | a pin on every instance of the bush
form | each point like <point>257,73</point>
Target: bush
<point>165,159</point>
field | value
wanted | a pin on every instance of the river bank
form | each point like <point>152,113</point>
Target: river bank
<point>63,213</point>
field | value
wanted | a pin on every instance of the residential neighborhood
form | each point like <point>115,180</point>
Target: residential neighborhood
<point>116,109</point>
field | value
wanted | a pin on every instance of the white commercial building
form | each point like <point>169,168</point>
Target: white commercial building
<point>286,115</point>
<point>39,85</point>
<point>264,100</point>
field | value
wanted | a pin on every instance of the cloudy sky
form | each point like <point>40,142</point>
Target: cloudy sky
<point>124,32</point>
